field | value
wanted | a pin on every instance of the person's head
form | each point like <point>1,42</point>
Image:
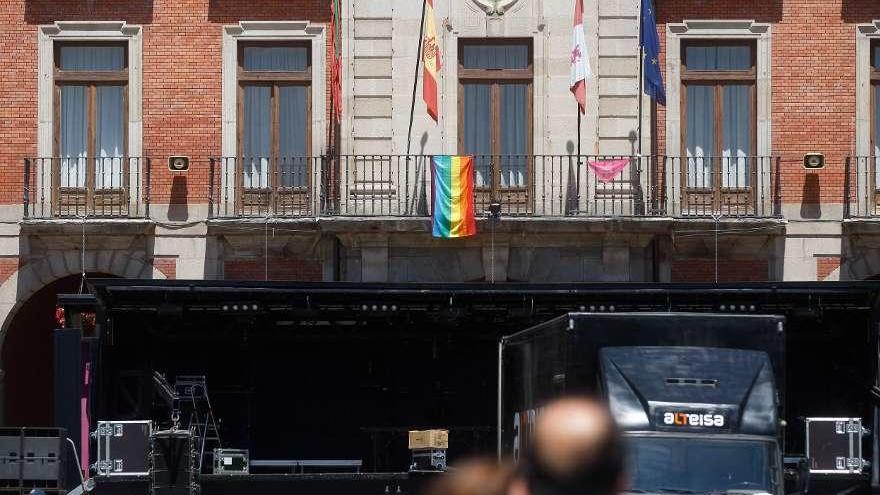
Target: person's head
<point>577,449</point>
<point>478,476</point>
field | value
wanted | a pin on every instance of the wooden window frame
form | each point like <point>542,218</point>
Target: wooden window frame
<point>91,80</point>
<point>274,80</point>
<point>719,79</point>
<point>276,198</point>
<point>495,78</point>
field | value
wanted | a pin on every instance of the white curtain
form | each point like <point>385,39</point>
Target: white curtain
<point>109,136</point>
<point>700,135</point>
<point>735,57</point>
<point>256,145</point>
<point>514,134</point>
<point>737,142</point>
<point>876,150</point>
<point>276,58</point>
<point>477,130</point>
<point>109,123</point>
<point>92,58</point>
<point>293,124</point>
<point>74,136</point>
<point>503,56</point>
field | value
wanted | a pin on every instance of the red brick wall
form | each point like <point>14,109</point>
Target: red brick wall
<point>703,270</point>
<point>825,265</point>
<point>8,267</point>
<point>288,269</point>
<point>813,81</point>
<point>181,69</point>
<point>166,265</point>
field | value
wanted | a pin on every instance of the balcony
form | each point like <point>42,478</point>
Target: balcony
<point>106,187</point>
<point>862,187</point>
<point>551,186</point>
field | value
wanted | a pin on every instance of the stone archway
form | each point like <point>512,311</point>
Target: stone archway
<point>33,288</point>
<point>28,380</point>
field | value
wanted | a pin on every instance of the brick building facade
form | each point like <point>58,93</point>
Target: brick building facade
<point>275,191</point>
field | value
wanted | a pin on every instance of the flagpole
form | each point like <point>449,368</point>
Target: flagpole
<point>412,110</point>
<point>579,133</point>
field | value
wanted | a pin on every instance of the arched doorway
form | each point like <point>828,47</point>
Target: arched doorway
<point>27,356</point>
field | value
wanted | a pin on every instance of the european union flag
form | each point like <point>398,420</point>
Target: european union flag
<point>650,42</point>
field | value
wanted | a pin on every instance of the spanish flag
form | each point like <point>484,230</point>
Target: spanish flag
<point>453,201</point>
<point>431,61</point>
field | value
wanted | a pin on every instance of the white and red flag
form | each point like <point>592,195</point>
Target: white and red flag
<point>580,62</point>
<point>431,60</point>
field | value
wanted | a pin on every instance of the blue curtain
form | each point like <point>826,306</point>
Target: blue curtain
<point>477,130</point>
<point>276,58</point>
<point>293,144</point>
<point>74,136</point>
<point>256,141</point>
<point>92,58</point>
<point>700,135</point>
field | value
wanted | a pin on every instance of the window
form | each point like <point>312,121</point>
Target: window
<point>875,110</point>
<point>91,83</point>
<point>495,114</point>
<point>274,127</point>
<point>719,89</point>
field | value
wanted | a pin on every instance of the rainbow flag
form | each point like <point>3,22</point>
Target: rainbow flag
<point>453,196</point>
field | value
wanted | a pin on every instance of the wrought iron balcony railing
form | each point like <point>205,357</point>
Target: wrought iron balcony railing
<point>862,187</point>
<point>522,185</point>
<point>105,187</point>
<point>726,186</point>
<point>263,186</point>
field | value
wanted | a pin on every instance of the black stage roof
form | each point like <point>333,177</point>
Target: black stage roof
<point>513,302</point>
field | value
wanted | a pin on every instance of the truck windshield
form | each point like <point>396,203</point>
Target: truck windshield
<point>699,465</point>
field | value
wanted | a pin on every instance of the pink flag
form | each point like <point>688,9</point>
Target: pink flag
<point>607,170</point>
<point>580,62</point>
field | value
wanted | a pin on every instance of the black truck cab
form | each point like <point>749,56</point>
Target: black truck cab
<point>697,419</point>
<point>700,397</point>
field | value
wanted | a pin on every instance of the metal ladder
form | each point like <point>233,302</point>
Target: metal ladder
<point>193,395</point>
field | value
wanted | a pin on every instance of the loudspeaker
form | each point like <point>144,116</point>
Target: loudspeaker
<point>33,458</point>
<point>174,461</point>
<point>68,392</point>
<point>814,161</point>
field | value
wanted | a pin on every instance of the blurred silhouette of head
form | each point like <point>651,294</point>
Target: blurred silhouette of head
<point>577,450</point>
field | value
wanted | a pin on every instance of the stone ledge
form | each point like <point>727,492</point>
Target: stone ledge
<point>867,226</point>
<point>93,227</point>
<point>391,225</point>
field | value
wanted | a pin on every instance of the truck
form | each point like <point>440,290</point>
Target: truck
<point>699,397</point>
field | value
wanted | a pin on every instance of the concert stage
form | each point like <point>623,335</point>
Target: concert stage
<point>343,371</point>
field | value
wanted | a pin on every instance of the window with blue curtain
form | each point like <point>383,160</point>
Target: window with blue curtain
<point>496,78</point>
<point>719,81</point>
<point>276,83</point>
<point>92,80</point>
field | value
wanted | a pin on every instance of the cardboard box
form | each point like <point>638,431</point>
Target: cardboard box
<point>429,439</point>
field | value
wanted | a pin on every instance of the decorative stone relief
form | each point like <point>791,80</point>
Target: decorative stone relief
<point>495,7</point>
